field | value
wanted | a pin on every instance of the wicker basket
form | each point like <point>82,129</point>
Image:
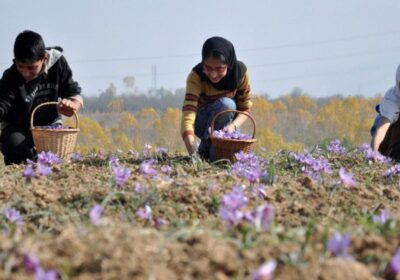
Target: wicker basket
<point>58,141</point>
<point>227,148</point>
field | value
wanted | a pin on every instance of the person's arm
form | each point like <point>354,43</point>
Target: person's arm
<point>381,130</point>
<point>243,102</point>
<point>190,144</point>
<point>69,91</point>
<point>189,109</point>
<point>7,96</point>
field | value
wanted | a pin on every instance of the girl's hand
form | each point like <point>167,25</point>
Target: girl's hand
<point>67,107</point>
<point>230,128</point>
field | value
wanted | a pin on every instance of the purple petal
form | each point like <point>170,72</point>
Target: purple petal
<point>95,214</point>
<point>265,271</point>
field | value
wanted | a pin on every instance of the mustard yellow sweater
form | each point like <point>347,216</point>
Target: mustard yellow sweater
<point>200,93</point>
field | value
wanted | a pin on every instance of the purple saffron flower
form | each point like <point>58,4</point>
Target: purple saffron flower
<point>41,274</point>
<point>144,213</point>
<point>235,199</point>
<point>263,216</point>
<point>158,222</point>
<point>338,244</point>
<point>29,172</point>
<point>166,169</point>
<point>43,169</point>
<point>236,135</point>
<point>147,150</point>
<point>31,263</point>
<point>258,190</point>
<point>230,216</point>
<point>113,161</point>
<point>146,168</point>
<point>265,271</point>
<point>393,267</point>
<point>162,152</point>
<point>313,167</point>
<point>231,203</point>
<point>394,170</point>
<point>382,218</point>
<point>134,154</point>
<point>48,158</point>
<point>13,216</point>
<point>76,156</point>
<point>336,147</point>
<point>347,178</point>
<point>121,175</point>
<point>372,155</point>
<point>95,214</point>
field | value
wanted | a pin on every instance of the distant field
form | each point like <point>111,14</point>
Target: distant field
<point>205,218</point>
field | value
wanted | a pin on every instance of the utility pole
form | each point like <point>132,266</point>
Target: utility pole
<point>154,72</point>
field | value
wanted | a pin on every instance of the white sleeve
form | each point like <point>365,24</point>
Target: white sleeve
<point>389,106</point>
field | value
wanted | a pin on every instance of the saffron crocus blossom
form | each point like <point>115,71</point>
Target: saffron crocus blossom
<point>147,150</point>
<point>158,222</point>
<point>162,152</point>
<point>76,156</point>
<point>263,216</point>
<point>134,154</point>
<point>146,168</point>
<point>311,166</point>
<point>48,158</point>
<point>95,214</point>
<point>347,178</point>
<point>265,271</point>
<point>31,263</point>
<point>235,199</point>
<point>248,166</point>
<point>121,175</point>
<point>335,147</point>
<point>259,191</point>
<point>394,170</point>
<point>236,135</point>
<point>393,267</point>
<point>113,161</point>
<point>166,169</point>
<point>29,172</point>
<point>382,218</point>
<point>144,213</point>
<point>13,216</point>
<point>41,274</point>
<point>338,245</point>
<point>231,217</point>
<point>231,204</point>
<point>43,169</point>
<point>371,154</point>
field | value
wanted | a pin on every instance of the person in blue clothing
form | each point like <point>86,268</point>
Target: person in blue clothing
<point>386,128</point>
<point>37,75</point>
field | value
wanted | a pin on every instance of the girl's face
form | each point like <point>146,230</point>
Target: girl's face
<point>214,69</point>
<point>30,71</point>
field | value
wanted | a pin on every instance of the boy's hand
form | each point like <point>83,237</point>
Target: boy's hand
<point>67,107</point>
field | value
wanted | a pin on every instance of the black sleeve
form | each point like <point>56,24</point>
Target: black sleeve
<point>68,87</point>
<point>7,96</point>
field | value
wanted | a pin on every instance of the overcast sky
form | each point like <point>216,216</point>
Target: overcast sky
<point>323,47</point>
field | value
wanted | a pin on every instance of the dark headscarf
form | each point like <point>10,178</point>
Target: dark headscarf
<point>236,69</point>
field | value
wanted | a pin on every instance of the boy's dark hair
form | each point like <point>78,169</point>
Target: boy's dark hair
<point>217,55</point>
<point>29,47</point>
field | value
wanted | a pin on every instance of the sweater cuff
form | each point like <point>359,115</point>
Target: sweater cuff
<point>186,133</point>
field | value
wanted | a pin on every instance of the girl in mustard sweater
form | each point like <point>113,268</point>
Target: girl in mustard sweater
<point>218,83</point>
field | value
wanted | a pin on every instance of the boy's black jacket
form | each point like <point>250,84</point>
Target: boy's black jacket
<point>18,98</point>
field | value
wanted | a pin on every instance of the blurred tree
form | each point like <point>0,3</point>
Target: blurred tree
<point>129,81</point>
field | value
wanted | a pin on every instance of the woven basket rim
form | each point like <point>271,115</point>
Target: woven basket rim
<point>234,140</point>
<point>55,130</point>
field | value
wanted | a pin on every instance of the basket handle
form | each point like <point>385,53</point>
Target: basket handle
<point>236,111</point>
<point>52,103</point>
